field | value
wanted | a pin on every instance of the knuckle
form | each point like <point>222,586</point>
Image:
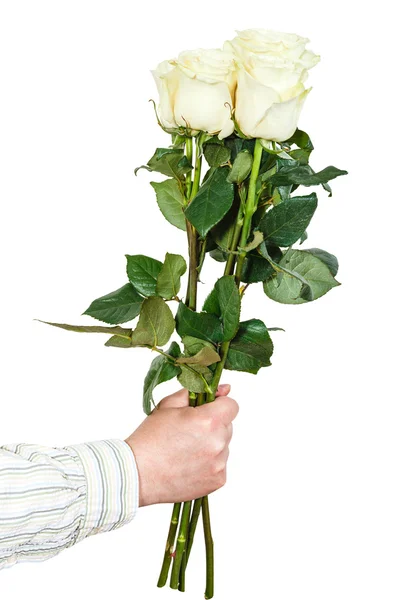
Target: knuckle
<point>216,445</point>
<point>221,479</point>
<point>218,467</point>
<point>207,422</point>
<point>234,406</point>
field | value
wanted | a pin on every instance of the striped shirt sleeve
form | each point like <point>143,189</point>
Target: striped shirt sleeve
<point>51,498</point>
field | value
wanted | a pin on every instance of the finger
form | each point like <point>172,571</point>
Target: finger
<point>224,456</point>
<point>223,409</point>
<point>179,399</point>
<point>229,432</point>
<point>223,389</point>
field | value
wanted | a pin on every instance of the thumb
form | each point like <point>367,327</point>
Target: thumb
<point>180,399</point>
<point>223,389</point>
<point>177,400</point>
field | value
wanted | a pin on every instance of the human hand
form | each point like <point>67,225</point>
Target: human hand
<point>181,452</point>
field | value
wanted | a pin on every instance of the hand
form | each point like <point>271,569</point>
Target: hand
<point>181,452</point>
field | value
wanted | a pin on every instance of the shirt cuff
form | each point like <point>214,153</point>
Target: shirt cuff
<point>111,473</point>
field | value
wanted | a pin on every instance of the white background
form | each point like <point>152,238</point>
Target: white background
<point>311,508</point>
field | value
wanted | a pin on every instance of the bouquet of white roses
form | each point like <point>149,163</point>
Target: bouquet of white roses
<point>234,111</point>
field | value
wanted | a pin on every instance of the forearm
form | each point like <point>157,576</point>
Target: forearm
<point>51,498</point>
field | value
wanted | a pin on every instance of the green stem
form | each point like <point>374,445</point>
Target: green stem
<point>191,294</point>
<point>242,231</point>
<point>192,399</point>
<point>250,208</point>
<point>197,174</point>
<point>180,545</point>
<point>209,593</point>
<point>170,546</point>
<point>223,352</point>
<point>189,154</point>
<point>193,525</point>
<point>230,263</point>
<point>180,559</point>
<point>191,189</point>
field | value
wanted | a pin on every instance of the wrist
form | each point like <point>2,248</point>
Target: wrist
<point>146,484</point>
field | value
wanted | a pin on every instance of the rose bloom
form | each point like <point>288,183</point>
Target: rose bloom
<point>272,69</point>
<point>197,91</point>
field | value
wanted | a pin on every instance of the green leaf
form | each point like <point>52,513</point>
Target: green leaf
<point>193,345</point>
<point>237,144</point>
<point>216,154</point>
<point>161,370</point>
<point>170,200</point>
<point>301,155</point>
<point>142,272</point>
<point>287,289</point>
<point>156,324</point>
<point>224,302</point>
<point>211,304</point>
<point>218,255</point>
<point>301,139</point>
<point>271,148</point>
<point>195,378</point>
<point>258,238</point>
<point>304,175</point>
<point>251,348</point>
<point>117,341</point>
<point>211,203</point>
<point>171,162</point>
<point>199,325</point>
<point>329,259</point>
<point>241,167</point>
<point>229,301</point>
<point>284,224</point>
<point>303,238</point>
<point>223,232</point>
<point>119,331</point>
<point>205,357</point>
<point>280,194</point>
<point>256,268</point>
<point>305,291</point>
<point>169,278</point>
<point>120,306</point>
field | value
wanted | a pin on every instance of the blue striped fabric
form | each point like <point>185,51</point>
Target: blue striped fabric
<point>51,498</point>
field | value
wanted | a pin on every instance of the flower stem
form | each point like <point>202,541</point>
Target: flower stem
<point>193,525</point>
<point>250,208</point>
<point>230,263</point>
<point>241,232</point>
<point>193,241</point>
<point>191,295</point>
<point>209,593</point>
<point>189,154</point>
<point>170,546</point>
<point>180,545</point>
<point>192,188</point>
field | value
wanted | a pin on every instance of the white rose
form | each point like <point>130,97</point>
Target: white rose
<point>272,70</point>
<point>197,91</point>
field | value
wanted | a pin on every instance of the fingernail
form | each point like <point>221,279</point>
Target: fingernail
<point>223,387</point>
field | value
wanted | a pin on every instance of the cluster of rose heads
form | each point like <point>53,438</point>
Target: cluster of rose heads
<point>255,82</point>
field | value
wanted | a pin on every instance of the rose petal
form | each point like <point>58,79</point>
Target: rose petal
<point>280,120</point>
<point>166,80</point>
<point>227,130</point>
<point>252,100</point>
<point>202,106</point>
